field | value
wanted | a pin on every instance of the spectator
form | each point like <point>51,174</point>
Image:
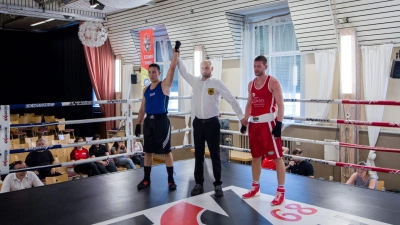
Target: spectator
<point>139,157</point>
<point>20,180</point>
<point>299,166</point>
<point>80,153</point>
<point>362,178</point>
<point>119,148</point>
<point>104,166</point>
<point>42,158</point>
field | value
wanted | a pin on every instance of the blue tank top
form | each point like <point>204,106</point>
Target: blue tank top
<point>156,101</point>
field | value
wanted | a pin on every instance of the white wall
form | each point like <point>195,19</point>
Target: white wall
<point>231,78</point>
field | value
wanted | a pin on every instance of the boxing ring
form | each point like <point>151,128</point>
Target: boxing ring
<point>114,199</point>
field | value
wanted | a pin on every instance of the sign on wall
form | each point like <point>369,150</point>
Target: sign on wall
<point>146,55</point>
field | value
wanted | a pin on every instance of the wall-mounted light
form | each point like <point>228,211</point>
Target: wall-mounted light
<point>35,24</point>
<point>199,56</point>
<point>347,60</point>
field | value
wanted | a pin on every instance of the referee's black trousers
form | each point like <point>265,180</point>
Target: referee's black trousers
<point>207,130</point>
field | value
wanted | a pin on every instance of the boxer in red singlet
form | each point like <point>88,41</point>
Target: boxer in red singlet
<point>265,124</point>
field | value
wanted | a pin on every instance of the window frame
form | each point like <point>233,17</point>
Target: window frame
<point>299,110</point>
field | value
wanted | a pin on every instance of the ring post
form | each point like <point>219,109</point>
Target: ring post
<point>5,139</point>
<point>129,126</point>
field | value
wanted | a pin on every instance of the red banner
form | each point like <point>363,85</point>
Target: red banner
<point>146,54</point>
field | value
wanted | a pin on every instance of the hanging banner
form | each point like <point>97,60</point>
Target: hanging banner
<point>146,55</point>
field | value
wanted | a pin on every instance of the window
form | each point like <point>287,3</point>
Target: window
<point>276,40</point>
<point>163,56</point>
<point>96,107</point>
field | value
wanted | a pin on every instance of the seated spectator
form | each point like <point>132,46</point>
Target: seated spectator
<point>300,167</point>
<point>80,153</point>
<point>270,164</point>
<point>42,158</point>
<point>362,178</point>
<point>104,166</point>
<point>20,180</point>
<point>139,157</point>
<point>119,148</point>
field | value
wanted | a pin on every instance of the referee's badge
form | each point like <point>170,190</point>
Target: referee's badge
<point>210,91</point>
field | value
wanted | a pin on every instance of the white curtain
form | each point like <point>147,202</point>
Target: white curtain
<point>127,70</point>
<point>184,90</point>
<point>325,67</point>
<point>248,52</point>
<point>217,65</point>
<point>376,69</point>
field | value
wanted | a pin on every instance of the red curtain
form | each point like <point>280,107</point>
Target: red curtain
<point>101,65</point>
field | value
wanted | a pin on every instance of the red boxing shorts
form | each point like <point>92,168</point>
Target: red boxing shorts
<point>262,142</point>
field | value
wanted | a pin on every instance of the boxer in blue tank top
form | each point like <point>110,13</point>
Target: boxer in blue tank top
<point>156,127</point>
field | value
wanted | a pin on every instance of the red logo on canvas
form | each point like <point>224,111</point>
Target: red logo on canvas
<point>188,214</point>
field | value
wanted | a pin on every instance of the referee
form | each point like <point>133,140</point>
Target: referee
<point>207,93</point>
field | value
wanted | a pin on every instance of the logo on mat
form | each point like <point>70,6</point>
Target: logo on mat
<point>208,209</point>
<point>210,91</point>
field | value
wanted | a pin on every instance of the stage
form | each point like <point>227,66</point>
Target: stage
<point>114,199</point>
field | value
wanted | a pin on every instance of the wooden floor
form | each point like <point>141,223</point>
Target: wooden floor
<point>114,199</point>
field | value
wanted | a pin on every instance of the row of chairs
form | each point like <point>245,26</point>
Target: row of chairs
<point>32,118</point>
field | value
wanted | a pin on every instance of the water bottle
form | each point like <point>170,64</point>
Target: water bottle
<point>383,188</point>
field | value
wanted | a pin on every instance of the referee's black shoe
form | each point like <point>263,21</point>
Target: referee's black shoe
<point>143,184</point>
<point>198,189</point>
<point>218,191</point>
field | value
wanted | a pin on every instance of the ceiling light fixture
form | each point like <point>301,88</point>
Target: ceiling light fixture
<point>35,24</point>
<point>94,4</point>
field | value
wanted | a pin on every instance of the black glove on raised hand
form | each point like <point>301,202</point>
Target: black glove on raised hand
<point>177,45</point>
<point>277,129</point>
<point>137,130</point>
<point>243,129</point>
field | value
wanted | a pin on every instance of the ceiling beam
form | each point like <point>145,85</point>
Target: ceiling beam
<point>34,12</point>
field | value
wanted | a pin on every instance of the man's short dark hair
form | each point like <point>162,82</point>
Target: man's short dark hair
<point>297,151</point>
<point>156,66</point>
<point>96,136</point>
<point>12,165</point>
<point>262,59</point>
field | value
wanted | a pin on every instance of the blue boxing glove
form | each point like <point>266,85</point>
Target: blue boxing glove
<point>243,129</point>
<point>277,129</point>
